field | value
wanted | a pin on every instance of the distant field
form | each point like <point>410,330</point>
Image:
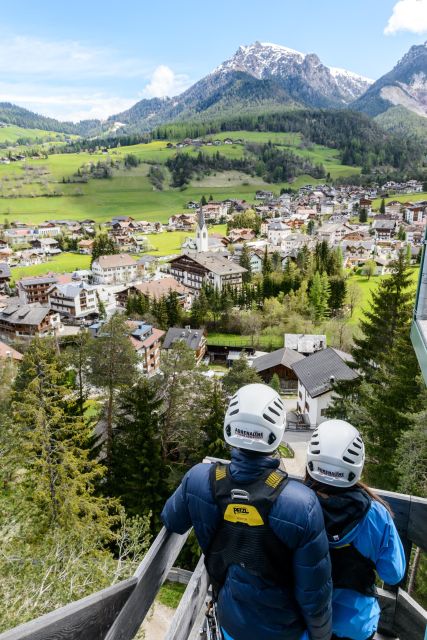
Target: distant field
<point>130,192</point>
<point>63,263</point>
<point>412,197</point>
<point>367,286</point>
<point>12,133</point>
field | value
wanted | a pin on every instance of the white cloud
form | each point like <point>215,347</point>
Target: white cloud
<point>408,15</point>
<point>50,58</point>
<point>165,82</point>
<point>65,103</point>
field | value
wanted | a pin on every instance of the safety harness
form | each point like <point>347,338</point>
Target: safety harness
<point>352,570</point>
<point>244,536</point>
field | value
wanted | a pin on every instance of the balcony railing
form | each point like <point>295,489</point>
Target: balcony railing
<point>116,613</point>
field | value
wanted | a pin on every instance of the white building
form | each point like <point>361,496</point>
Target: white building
<point>76,300</point>
<point>202,241</point>
<point>114,269</point>
<point>277,232</point>
<point>316,375</point>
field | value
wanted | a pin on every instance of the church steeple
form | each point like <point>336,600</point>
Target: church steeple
<point>202,241</point>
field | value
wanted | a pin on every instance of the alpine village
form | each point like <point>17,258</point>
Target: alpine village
<point>265,225</point>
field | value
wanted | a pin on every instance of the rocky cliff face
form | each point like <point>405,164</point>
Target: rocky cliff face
<point>405,86</point>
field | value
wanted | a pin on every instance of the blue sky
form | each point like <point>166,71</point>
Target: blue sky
<point>93,58</point>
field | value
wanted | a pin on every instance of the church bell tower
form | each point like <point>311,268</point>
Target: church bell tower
<point>202,241</point>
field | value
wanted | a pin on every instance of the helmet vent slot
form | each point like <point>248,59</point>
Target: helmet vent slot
<point>279,404</point>
<point>233,413</point>
<point>266,417</point>
<point>351,452</point>
<point>315,451</point>
<point>314,442</point>
<point>274,411</point>
<point>233,404</point>
<point>356,445</point>
<point>347,460</point>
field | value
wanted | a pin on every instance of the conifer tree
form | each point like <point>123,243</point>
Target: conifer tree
<point>245,262</point>
<point>267,267</point>
<point>199,310</point>
<point>382,206</point>
<point>103,245</point>
<point>173,309</point>
<point>213,427</point>
<point>139,477</point>
<point>319,296</point>
<point>59,476</point>
<point>275,382</point>
<point>388,317</point>
<point>113,362</point>
<point>239,374</point>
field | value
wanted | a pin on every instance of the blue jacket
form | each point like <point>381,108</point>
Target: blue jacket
<point>355,615</point>
<point>248,607</point>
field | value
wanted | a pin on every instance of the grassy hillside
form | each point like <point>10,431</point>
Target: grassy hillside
<point>13,133</point>
<point>34,191</point>
<point>413,197</point>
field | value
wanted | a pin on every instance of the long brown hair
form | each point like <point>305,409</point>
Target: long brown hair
<point>319,487</point>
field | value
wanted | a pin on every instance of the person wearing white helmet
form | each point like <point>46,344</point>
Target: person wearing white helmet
<point>263,535</point>
<point>362,536</point>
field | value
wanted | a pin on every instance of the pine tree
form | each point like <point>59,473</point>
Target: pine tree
<point>245,262</point>
<point>319,296</point>
<point>382,206</point>
<point>113,362</point>
<point>363,215</point>
<point>275,383</point>
<point>213,427</point>
<point>139,476</point>
<point>239,375</point>
<point>382,408</point>
<point>173,309</point>
<point>388,318</point>
<point>267,267</point>
<point>199,310</point>
<point>59,477</point>
<point>103,245</point>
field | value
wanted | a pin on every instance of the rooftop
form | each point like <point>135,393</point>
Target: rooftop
<point>192,337</point>
<point>115,260</point>
<point>318,371</point>
<point>284,356</point>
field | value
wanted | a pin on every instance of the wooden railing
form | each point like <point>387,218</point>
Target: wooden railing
<point>116,613</point>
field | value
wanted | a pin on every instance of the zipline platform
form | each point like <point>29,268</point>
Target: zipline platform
<point>116,613</point>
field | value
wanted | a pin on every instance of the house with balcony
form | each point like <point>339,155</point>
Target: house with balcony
<point>35,289</point>
<point>195,269</point>
<point>76,300</point>
<point>146,341</point>
<point>27,321</point>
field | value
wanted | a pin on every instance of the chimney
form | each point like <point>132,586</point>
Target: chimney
<point>332,379</point>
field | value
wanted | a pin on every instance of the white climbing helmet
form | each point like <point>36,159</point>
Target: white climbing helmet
<point>255,419</point>
<point>336,454</point>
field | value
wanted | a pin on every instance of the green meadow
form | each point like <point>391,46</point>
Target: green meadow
<point>413,197</point>
<point>12,133</point>
<point>63,263</point>
<point>35,184</point>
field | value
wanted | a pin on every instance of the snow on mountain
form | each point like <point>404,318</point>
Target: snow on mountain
<point>265,60</point>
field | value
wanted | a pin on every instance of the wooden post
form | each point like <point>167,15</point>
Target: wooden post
<point>150,576</point>
<point>190,605</point>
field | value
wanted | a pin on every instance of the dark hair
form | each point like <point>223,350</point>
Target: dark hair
<point>320,487</point>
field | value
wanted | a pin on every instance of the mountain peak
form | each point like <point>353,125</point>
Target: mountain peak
<point>264,60</point>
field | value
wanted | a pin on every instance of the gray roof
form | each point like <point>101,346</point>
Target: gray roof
<point>192,337</point>
<point>28,314</point>
<point>387,225</point>
<point>316,370</point>
<point>37,280</point>
<point>284,356</point>
<point>218,265</point>
<point>4,270</point>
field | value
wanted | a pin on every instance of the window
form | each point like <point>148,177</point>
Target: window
<point>323,412</point>
<point>300,394</point>
<point>307,406</point>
